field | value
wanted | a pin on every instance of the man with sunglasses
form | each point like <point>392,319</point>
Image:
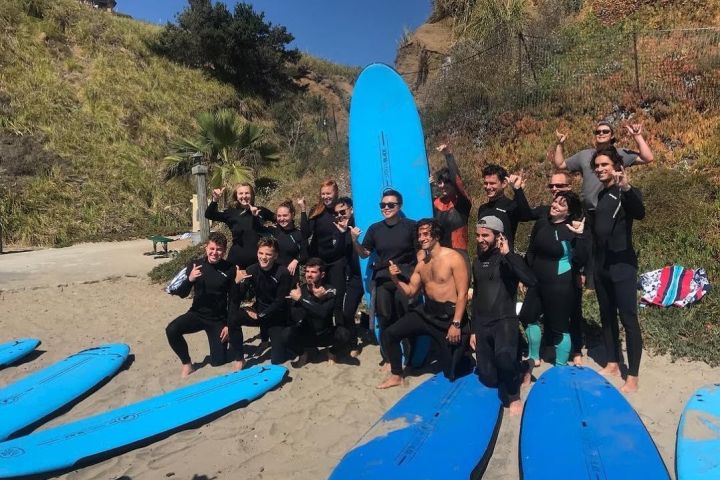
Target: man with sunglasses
<point>604,136</point>
<point>354,291</point>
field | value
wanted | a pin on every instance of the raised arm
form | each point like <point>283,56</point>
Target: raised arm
<point>644,153</point>
<point>361,250</point>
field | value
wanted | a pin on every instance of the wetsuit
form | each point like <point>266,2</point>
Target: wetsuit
<point>494,321</point>
<point>270,289</point>
<point>431,318</point>
<point>313,323</point>
<point>330,245</point>
<point>616,271</point>
<point>355,289</point>
<point>532,308</point>
<point>555,255</point>
<point>591,187</point>
<point>453,213</point>
<point>291,246</point>
<point>246,230</point>
<point>209,312</point>
<point>397,243</point>
<point>507,211</point>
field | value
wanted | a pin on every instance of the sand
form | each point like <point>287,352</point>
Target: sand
<point>299,431</point>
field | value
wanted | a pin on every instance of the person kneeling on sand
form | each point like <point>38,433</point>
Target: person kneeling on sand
<point>213,279</point>
<point>269,283</point>
<point>312,314</point>
<point>442,274</point>
<point>495,325</point>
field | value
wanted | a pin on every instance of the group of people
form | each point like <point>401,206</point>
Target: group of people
<point>422,277</point>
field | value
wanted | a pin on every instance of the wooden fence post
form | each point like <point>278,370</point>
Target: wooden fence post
<point>200,172</point>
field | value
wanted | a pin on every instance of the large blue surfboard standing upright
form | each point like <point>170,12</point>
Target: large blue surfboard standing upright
<point>697,453</point>
<point>577,425</point>
<point>387,150</point>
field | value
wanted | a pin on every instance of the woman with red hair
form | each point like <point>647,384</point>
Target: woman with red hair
<point>327,242</point>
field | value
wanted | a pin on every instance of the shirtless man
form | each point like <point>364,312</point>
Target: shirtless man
<point>442,275</point>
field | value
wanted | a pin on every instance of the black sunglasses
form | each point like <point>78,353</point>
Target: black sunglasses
<point>557,185</point>
<point>603,131</point>
<point>384,205</point>
<point>339,213</point>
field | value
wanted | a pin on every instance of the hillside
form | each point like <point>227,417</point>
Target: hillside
<point>88,111</point>
<point>576,65</point>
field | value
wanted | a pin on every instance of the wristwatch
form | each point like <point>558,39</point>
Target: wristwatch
<point>456,324</point>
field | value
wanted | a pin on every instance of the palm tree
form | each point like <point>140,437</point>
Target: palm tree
<point>230,146</point>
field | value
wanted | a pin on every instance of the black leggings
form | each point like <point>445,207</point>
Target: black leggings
<point>336,277</point>
<point>191,322</point>
<point>418,322</point>
<point>390,305</point>
<point>619,297</point>
<point>533,308</point>
<point>353,297</point>
<point>278,333</point>
<point>496,355</point>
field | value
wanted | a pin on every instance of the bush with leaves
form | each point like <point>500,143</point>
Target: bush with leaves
<point>240,48</point>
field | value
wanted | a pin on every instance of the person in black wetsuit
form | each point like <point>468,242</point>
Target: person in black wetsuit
<point>327,242</point>
<point>269,283</point>
<point>496,273</point>
<point>312,315</point>
<point>292,245</point>
<point>442,274</point>
<point>212,278</point>
<point>556,252</point>
<point>452,207</point>
<point>354,292</point>
<point>616,263</point>
<point>392,240</point>
<point>245,221</point>
<point>532,308</point>
<point>495,180</point>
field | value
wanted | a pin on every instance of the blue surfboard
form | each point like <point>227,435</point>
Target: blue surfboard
<point>14,350</point>
<point>440,430</point>
<point>40,394</point>
<point>577,425</point>
<point>85,441</point>
<point>387,150</point>
<point>697,452</point>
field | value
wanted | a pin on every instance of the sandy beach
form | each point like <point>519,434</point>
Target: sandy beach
<point>299,431</point>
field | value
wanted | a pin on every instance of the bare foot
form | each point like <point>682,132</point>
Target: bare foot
<point>631,385</point>
<point>392,381</point>
<point>515,408</point>
<point>238,365</point>
<point>611,369</point>
<point>301,361</point>
<point>355,353</point>
<point>331,359</point>
<point>527,378</point>
<point>577,360</point>
<point>187,369</point>
<point>385,368</point>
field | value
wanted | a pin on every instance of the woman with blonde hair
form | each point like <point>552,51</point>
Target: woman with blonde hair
<point>245,221</point>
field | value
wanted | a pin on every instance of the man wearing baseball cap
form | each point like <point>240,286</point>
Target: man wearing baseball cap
<point>495,325</point>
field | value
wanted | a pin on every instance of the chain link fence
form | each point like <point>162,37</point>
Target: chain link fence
<point>582,71</point>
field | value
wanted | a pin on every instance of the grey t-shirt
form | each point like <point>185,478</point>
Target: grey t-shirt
<point>591,186</point>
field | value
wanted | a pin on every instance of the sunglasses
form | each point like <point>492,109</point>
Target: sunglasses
<point>602,131</point>
<point>557,185</point>
<point>339,213</point>
<point>384,205</point>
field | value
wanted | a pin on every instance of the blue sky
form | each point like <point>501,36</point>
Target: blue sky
<point>353,32</point>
